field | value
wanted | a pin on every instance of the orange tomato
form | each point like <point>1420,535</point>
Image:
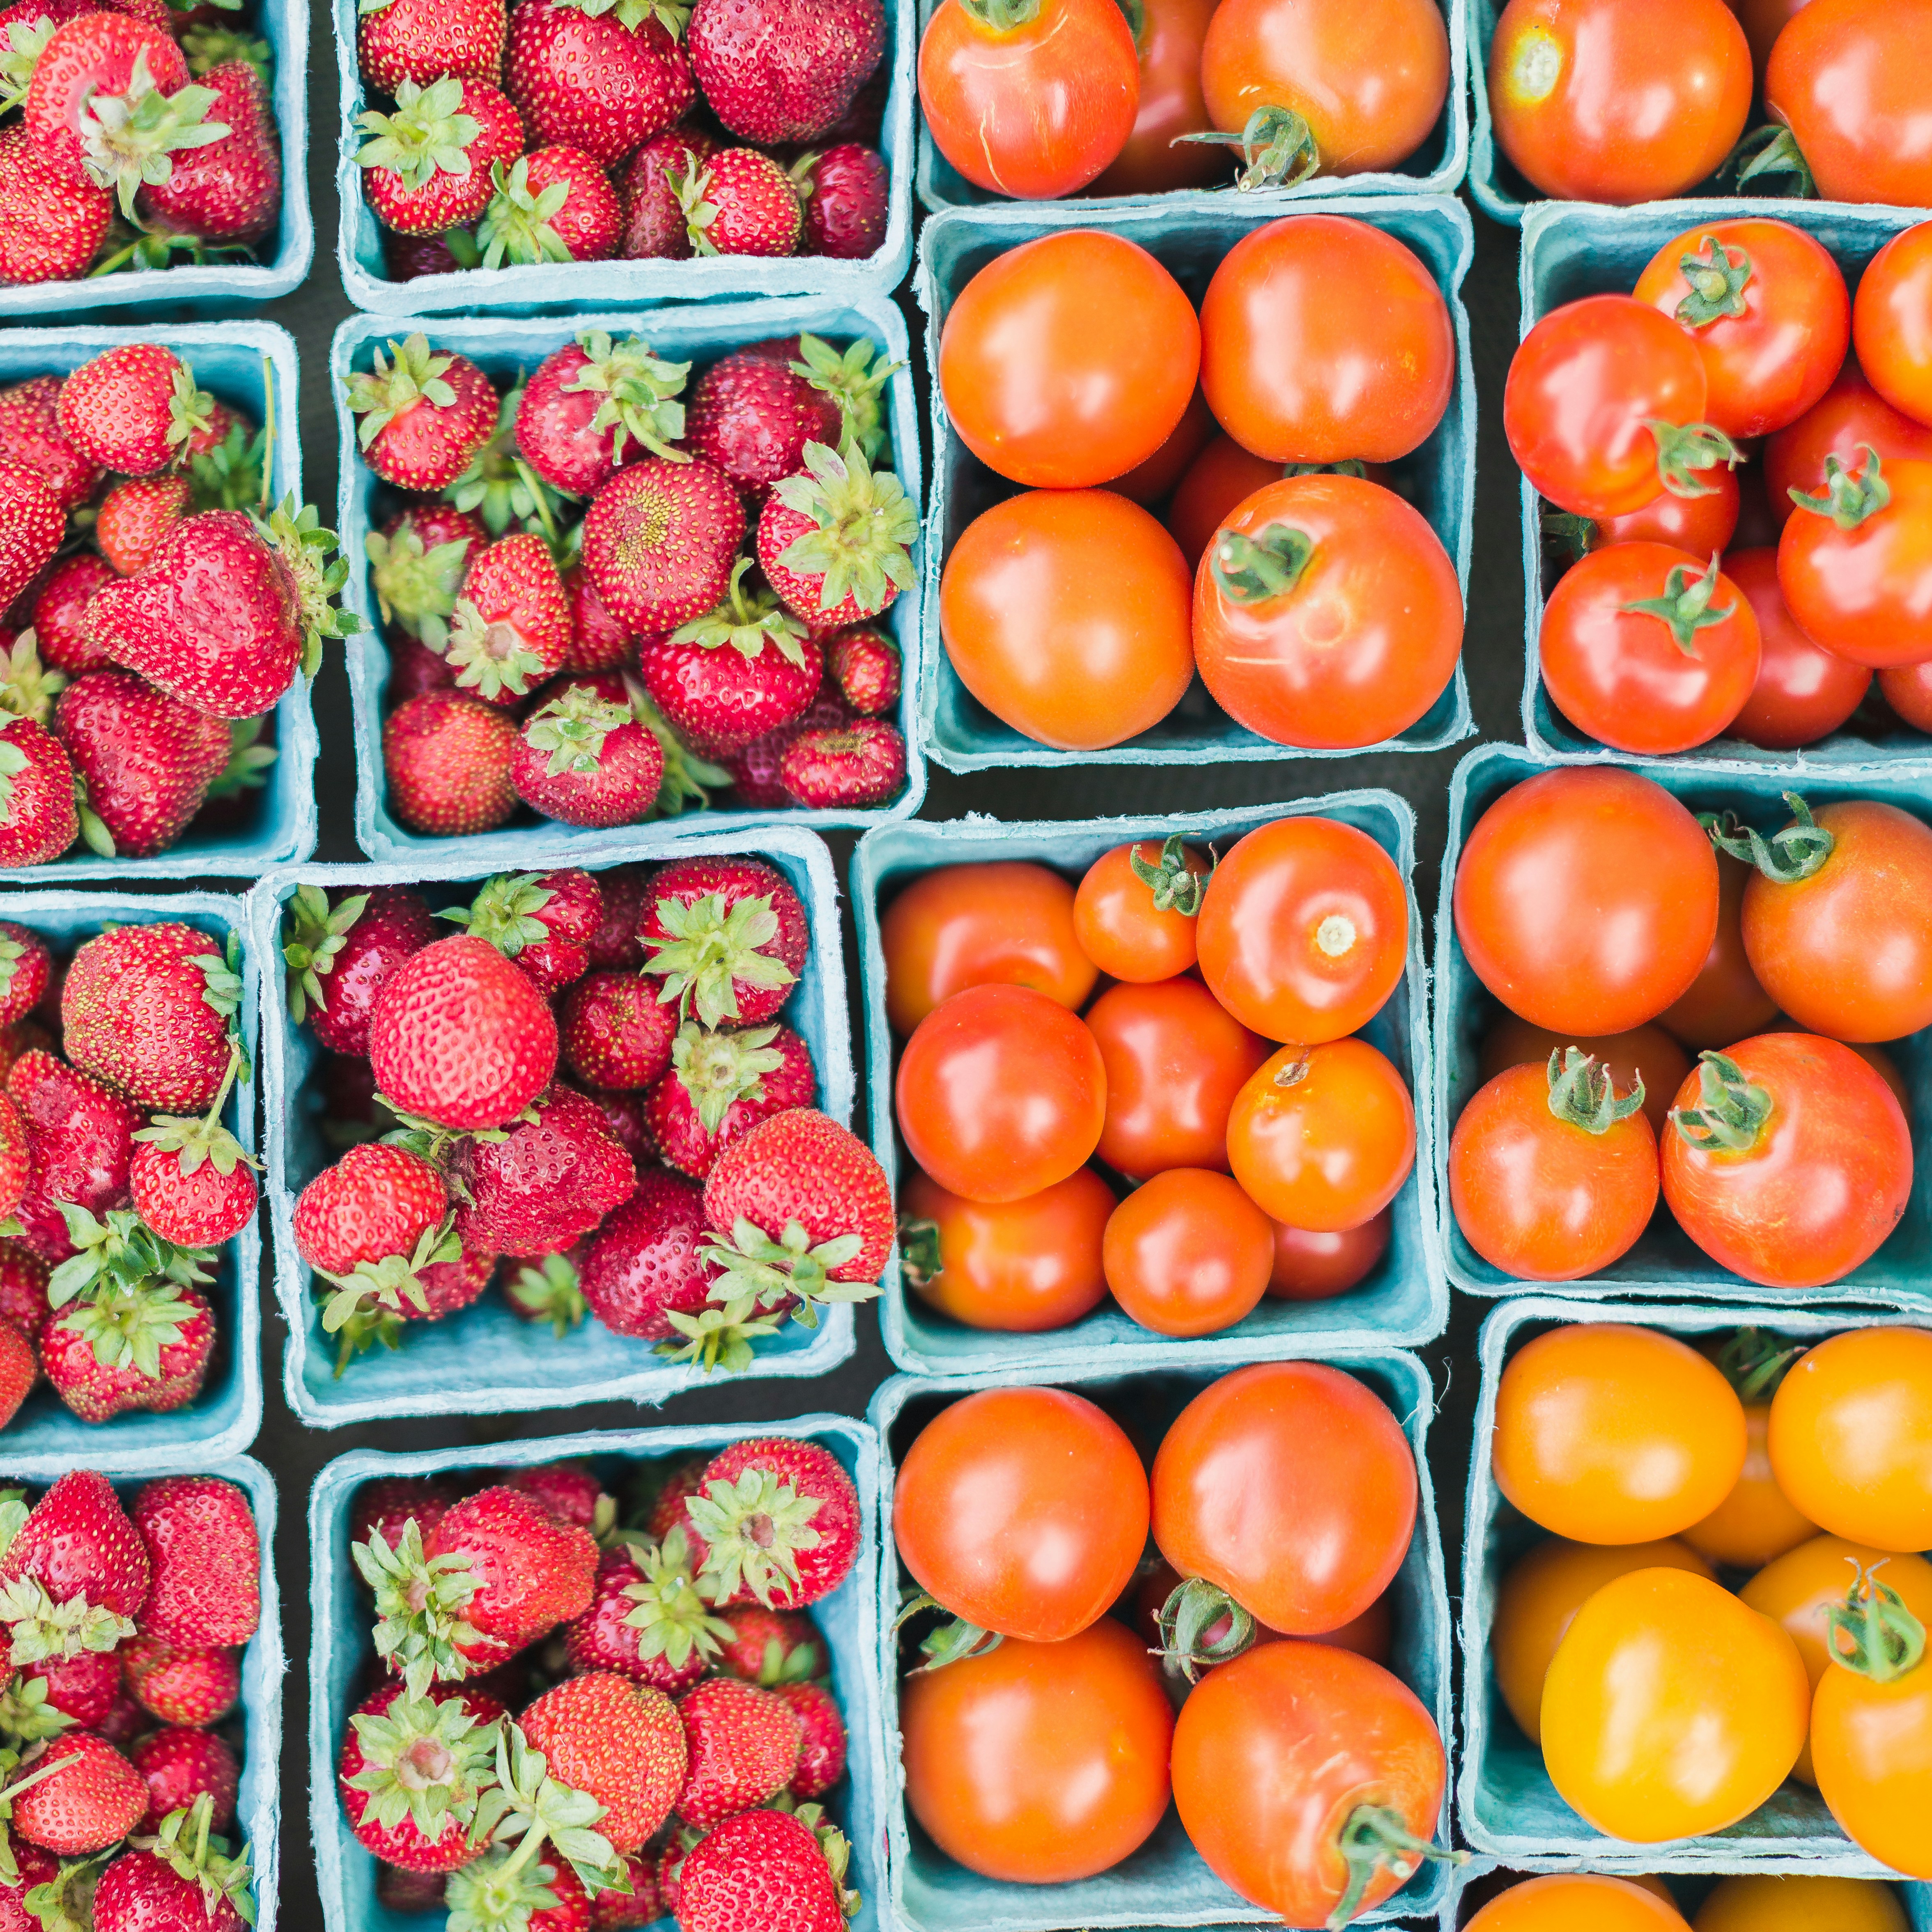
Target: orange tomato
<point>1646,1052</point>
<point>1907,688</point>
<point>1756,1522</point>
<point>1852,416</point>
<point>1167,34</point>
<point>1319,1266</point>
<point>1891,323</point>
<point>1579,1902</point>
<point>1223,475</point>
<point>1150,481</point>
<point>1725,1003</point>
<point>1138,928</point>
<point>1801,1902</point>
<point>1189,1253</point>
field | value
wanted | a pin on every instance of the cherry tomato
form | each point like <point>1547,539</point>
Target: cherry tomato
<point>1852,418</point>
<point>1857,575</point>
<point>1756,1522</point>
<point>1323,339</point>
<point>1318,1267</point>
<point>1189,1253</point>
<point>1327,613</point>
<point>1017,1266</point>
<point>1277,1752</point>
<point>1291,1487</point>
<point>1763,21</point>
<point>1798,1901</point>
<point>1702,525</point>
<point>1891,323</point>
<point>1670,1709</point>
<point>1221,478</point>
<point>1066,613</point>
<point>1304,931</point>
<point>1154,479</point>
<point>1000,1092</point>
<point>1069,360</point>
<point>1037,109</point>
<point>1725,1003</point>
<point>1851,1436</point>
<point>1022,1511</point>
<point>1788,1161</point>
<point>1645,1052</point>
<point>1768,311</point>
<point>1578,1902</point>
<point>1369,1635</point>
<point>1539,1596</point>
<point>1006,923</point>
<point>1323,1137</point>
<point>1802,693</point>
<point>1908,689</point>
<point>1039,1763</point>
<point>1586,899</point>
<point>1167,34</point>
<point>1887,1069</point>
<point>1136,922</point>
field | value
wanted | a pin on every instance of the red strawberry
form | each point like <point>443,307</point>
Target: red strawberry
<point>134,519</point>
<point>598,642</point>
<point>670,1865</point>
<point>81,1136</point>
<point>387,1503</point>
<point>770,1647</point>
<point>60,612</point>
<point>646,1620</point>
<point>545,1894</point>
<point>618,1742</point>
<point>94,1798</point>
<point>125,1722</point>
<point>783,71</point>
<point>623,1114</point>
<point>591,400</point>
<point>553,205</point>
<point>414,668</point>
<point>764,1869</point>
<point>821,1757</point>
<point>864,663</point>
<point>739,202</point>
<point>615,1033</point>
<point>32,436</point>
<point>76,1574</point>
<point>16,1158</point>
<point>190,1688</point>
<point>422,40</point>
<point>861,763</point>
<point>32,525</point>
<point>523,913</point>
<point>780,1520</point>
<point>585,760</point>
<point>49,1696</point>
<point>338,956</point>
<point>655,222</point>
<point>134,408</point>
<point>26,971</point>
<point>743,1745</point>
<point>847,193</point>
<point>424,413</point>
<point>19,1370</point>
<point>400,1890</point>
<point>51,225</point>
<point>755,769</point>
<point>752,415</point>
<point>735,673</point>
<point>411,1771</point>
<point>549,1182</point>
<point>416,565</point>
<point>404,174</point>
<point>722,1084</point>
<point>640,1269</point>
<point>205,1553</point>
<point>145,1347</point>
<point>372,1224</point>
<point>615,941</point>
<point>231,189</point>
<point>23,1288</point>
<point>180,1765</point>
<point>147,760</point>
<point>512,622</point>
<point>835,540</point>
<point>570,1491</point>
<point>605,82</point>
<point>659,540</point>
<point>727,937</point>
<point>192,1184</point>
<point>446,759</point>
<point>180,1882</point>
<point>620,1912</point>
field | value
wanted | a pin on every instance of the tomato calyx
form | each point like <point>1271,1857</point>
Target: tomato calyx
<point>952,1642</point>
<point>1002,16</point>
<point>1375,1839</point>
<point>1849,497</point>
<point>1685,449</point>
<point>1175,885</point>
<point>920,1260</point>
<point>1582,1094</point>
<point>1754,1363</point>
<point>1278,148</point>
<point>1731,1110</point>
<point>1572,536</point>
<point>1718,279</point>
<point>1873,1634</point>
<point>1252,569</point>
<point>1684,608</point>
<point>1772,150</point>
<point>1786,856</point>
<point>1200,1626</point>
<point>1347,465</point>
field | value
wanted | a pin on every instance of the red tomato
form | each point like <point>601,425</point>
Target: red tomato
<point>1149,482</point>
<point>1891,323</point>
<point>1802,1161</point>
<point>1851,417</point>
<point>1138,925</point>
<point>1068,361</point>
<point>1034,110</point>
<point>1617,101</point>
<point>1000,1092</point>
<point>1323,339</point>
<point>1327,613</point>
<point>1022,1511</point>
<point>1649,649</point>
<point>1317,1267</point>
<point>1763,21</point>
<point>1066,613</point>
<point>1168,34</point>
<point>1368,1635</point>
<point>1700,524</point>
<point>1645,1053</point>
<point>1221,478</point>
<point>1802,694</point>
<point>1189,1254</point>
<point>1725,1002</point>
<point>1907,688</point>
<point>1289,1486</point>
<point>1304,931</point>
<point>1857,573</point>
<point>1174,1062</point>
<point>1586,899</point>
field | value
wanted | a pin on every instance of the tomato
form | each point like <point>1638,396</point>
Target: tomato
<point>1168,35</point>
<point>1291,1487</point>
<point>1368,1635</point>
<point>1538,1600</point>
<point>1017,1266</point>
<point>1756,1522</point>
<point>1221,478</point>
<point>1000,1092</point>
<point>1907,688</point>
<point>1649,649</point>
<point>1851,1436</point>
<point>1029,97</point>
<point>1327,613</point>
<point>1549,1178</point>
<point>1788,1161</point>
<point>1645,1052</point>
<point>1277,1754</point>
<point>1304,931</point>
<point>1763,21</point>
<point>1022,1511</point>
<point>1769,311</point>
<point>1846,950</point>
<point>1887,1069</point>
<point>1577,1902</point>
<point>1323,339</point>
<point>1852,418</point>
<point>1154,478</point>
<point>1368,76</point>
<point>1069,360</point>
<point>1318,1267</point>
<point>1039,1763</point>
<point>1005,923</point>
<point>1891,323</point>
<point>1700,524</point>
<point>1725,1003</point>
<point>1857,574</point>
<point>1323,1137</point>
<point>1066,613</point>
<point>1189,1253</point>
<point>1802,693</point>
<point>1586,899</point>
<point>1801,1902</point>
<point>1135,911</point>
<point>1670,1709</point>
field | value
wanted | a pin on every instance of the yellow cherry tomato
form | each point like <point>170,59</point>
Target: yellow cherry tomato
<point>1671,1709</point>
<point>1579,1902</point>
<point>1778,1902</point>
<point>1608,1433</point>
<point>1757,1521</point>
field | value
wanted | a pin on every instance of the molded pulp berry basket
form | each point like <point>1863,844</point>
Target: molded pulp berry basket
<point>557,287</point>
<point>1570,250</point>
<point>342,1667</point>
<point>503,346</point>
<point>1437,167</point>
<point>1166,1882</point>
<point>228,358</point>
<point>1189,234</point>
<point>1404,1301</point>
<point>46,1438</point>
<point>1474,1884</point>
<point>1505,1803</point>
<point>485,1360</point>
<point>1666,1262</point>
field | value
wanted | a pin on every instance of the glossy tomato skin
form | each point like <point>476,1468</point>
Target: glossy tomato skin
<point>1174,1062</point>
<point>1189,1253</point>
<point>1015,1267</point>
<point>1891,323</point>
<point>1801,1902</point>
<point>1702,525</point>
<point>1763,21</point>
<point>1323,340</point>
<point>1725,1003</point>
<point>1005,923</point>
<point>1068,361</point>
<point>1291,1487</point>
<point>1317,1267</point>
<point>1586,899</point>
<point>1153,160</point>
<point>1823,1184</point>
<point>1617,101</point>
<point>1871,1751</point>
<point>1908,690</point>
<point>1152,480</point>
<point>1756,1522</point>
<point>1223,476</point>
<point>1121,929</point>
<point>1803,693</point>
<point>1578,1902</point>
<point>1036,111</point>
<point>1000,1092</point>
<point>1065,612</point>
<point>1645,1051</point>
<point>1040,1763</point>
<point>1304,931</point>
<point>1850,417</point>
<point>1272,1753</point>
<point>1362,643</point>
<point>1024,1511</point>
<point>1865,594</point>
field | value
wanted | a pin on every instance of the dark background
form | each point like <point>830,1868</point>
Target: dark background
<point>1492,661</point>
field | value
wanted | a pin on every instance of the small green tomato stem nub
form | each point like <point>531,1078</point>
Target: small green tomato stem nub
<point>1873,1634</point>
<point>1718,278</point>
<point>1251,569</point>
<point>1685,450</point>
<point>1175,885</point>
<point>1730,1112</point>
<point>1684,608</point>
<point>1193,1609</point>
<point>1849,497</point>
<point>1754,1362</point>
<point>1581,1094</point>
<point>1772,150</point>
<point>952,1642</point>
<point>1278,148</point>
<point>1003,16</point>
<point>1375,1839</point>
<point>1785,858</point>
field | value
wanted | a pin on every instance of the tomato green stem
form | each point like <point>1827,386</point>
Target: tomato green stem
<point>919,1259</point>
<point>1849,497</point>
<point>1003,16</point>
<point>1754,1362</point>
<point>1787,857</point>
<point>1175,885</point>
<point>1572,535</point>
<point>1772,150</point>
<point>1684,608</point>
<point>1251,569</point>
<point>1874,1635</point>
<point>1581,1093</point>
<point>952,1642</point>
<point>1193,1609</point>
<point>1685,449</point>
<point>1277,146</point>
<point>1730,1112</point>
<point>1373,1839</point>
<point>1718,279</point>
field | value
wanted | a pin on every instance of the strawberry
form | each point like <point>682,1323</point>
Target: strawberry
<point>739,202</point>
<point>591,400</point>
<point>670,1866</point>
<point>742,1744</point>
<point>554,204</point>
<point>181,1880</point>
<point>512,622</point>
<point>89,1798</point>
<point>81,1136</point>
<point>783,71</point>
<point>752,415</point>
<point>406,256</point>
<point>26,971</point>
<point>847,193</point>
<point>31,435</point>
<point>834,541</point>
<point>190,1688</point>
<point>623,1114</point>
<point>134,519</point>
<point>416,565</point>
<point>763,1870</point>
<point>32,525</point>
<point>780,1520</point>
<point>23,1288</point>
<point>614,1033</point>
<point>231,189</point>
<point>411,1770</point>
<point>424,413</point>
<point>400,1890</point>
<point>722,1084</point>
<point>16,1157</point>
<point>640,1268</point>
<point>543,920</point>
<point>125,1722</point>
<point>821,1757</point>
<point>338,956</point>
<point>544,1288</point>
<point>727,679</point>
<point>134,408</point>
<point>770,1647</point>
<point>52,226</point>
<point>620,1911</point>
<point>371,1224</point>
<point>550,1181</point>
<point>861,763</point>
<point>422,40</point>
<point>615,941</point>
<point>584,759</point>
<point>619,1742</point>
<point>34,1869</point>
<point>598,642</point>
<point>19,1370</point>
<point>655,223</point>
<point>498,485</point>
<point>659,540</point>
<point>192,1184</point>
<point>755,769</point>
<point>864,663</point>
<point>146,1347</point>
<point>542,1894</point>
<point>387,1503</point>
<point>147,761</point>
<point>60,611</point>
<point>76,1573</point>
<point>428,165</point>
<point>180,1765</point>
<point>414,668</point>
<point>602,79</point>
<point>569,1491</point>
<point>446,759</point>
<point>727,936</point>
<point>646,1621</point>
<point>205,1555</point>
<point>56,1692</point>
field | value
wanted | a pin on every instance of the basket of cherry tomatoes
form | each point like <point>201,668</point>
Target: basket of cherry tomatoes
<point>1534,1895</point>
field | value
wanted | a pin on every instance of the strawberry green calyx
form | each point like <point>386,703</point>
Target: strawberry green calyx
<point>11,953</point>
<point>1849,496</point>
<point>1731,1111</point>
<point>247,770</point>
<point>855,382</point>
<point>837,1851</point>
<point>207,45</point>
<point>25,1715</point>
<point>548,1291</point>
<point>424,1761</point>
<point>233,475</point>
<point>672,1618</point>
<point>497,1894</point>
<point>528,1808</point>
<point>1194,1612</point>
<point>631,14</point>
<point>491,658</point>
<point>753,1530</point>
<point>416,588</point>
<point>366,1327</point>
<point>190,408</point>
<point>498,486</point>
<point>118,1255</point>
<point>505,912</point>
<point>187,1845</point>
<point>419,1603</point>
<point>428,134</point>
<point>1798,851</point>
<point>641,392</point>
<point>1685,450</point>
<point>10,1866</point>
<point>710,949</point>
<point>65,1902</point>
<point>199,1142</point>
<point>39,1627</point>
<point>720,1068</point>
<point>393,1280</point>
<point>221,991</point>
<point>1175,885</point>
<point>27,689</point>
<point>867,526</point>
<point>516,224</point>
<point>1251,569</point>
<point>1718,278</point>
<point>20,51</point>
<point>717,1338</point>
<point>128,1327</point>
<point>1278,148</point>
<point>312,933</point>
<point>747,621</point>
<point>1684,609</point>
<point>691,184</point>
<point>380,393</point>
<point>297,535</point>
<point>127,141</point>
<point>1581,1093</point>
<point>572,728</point>
<point>1872,1633</point>
<point>687,780</point>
